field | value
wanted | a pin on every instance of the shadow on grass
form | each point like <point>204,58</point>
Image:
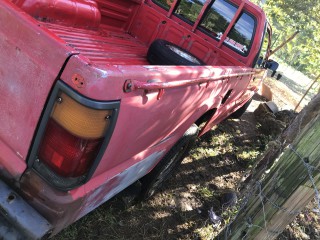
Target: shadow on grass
<point>180,209</point>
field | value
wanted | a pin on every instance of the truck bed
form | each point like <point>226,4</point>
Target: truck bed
<point>119,32</point>
<point>103,46</point>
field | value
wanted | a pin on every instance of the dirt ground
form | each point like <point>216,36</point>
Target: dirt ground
<point>180,210</point>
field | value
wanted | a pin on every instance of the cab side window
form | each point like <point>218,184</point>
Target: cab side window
<point>189,10</point>
<point>241,35</point>
<point>166,4</point>
<point>218,18</point>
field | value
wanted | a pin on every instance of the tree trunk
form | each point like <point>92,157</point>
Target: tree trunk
<point>284,43</point>
<point>308,90</point>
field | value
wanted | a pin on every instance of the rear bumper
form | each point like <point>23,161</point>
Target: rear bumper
<point>18,220</point>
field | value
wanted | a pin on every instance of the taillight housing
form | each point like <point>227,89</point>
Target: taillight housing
<point>72,137</point>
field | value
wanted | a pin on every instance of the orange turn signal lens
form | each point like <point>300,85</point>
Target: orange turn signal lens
<point>80,120</point>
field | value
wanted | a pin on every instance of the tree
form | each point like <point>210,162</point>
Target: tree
<point>288,16</point>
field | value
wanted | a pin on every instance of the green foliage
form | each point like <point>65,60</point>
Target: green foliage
<point>288,16</point>
<point>205,193</point>
<point>189,10</point>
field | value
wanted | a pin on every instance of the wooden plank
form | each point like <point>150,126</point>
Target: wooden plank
<point>285,190</point>
<point>296,202</point>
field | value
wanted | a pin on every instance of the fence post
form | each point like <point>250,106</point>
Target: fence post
<point>273,199</point>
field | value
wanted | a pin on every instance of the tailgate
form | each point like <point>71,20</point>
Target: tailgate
<point>30,61</point>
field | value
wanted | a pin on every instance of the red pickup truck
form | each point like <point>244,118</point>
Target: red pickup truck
<point>98,94</point>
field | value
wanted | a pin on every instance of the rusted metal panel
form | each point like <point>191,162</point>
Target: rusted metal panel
<point>59,208</point>
<point>24,221</point>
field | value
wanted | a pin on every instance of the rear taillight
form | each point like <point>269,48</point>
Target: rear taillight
<point>72,137</point>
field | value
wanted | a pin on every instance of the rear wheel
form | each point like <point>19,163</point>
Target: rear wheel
<point>240,111</point>
<point>154,180</point>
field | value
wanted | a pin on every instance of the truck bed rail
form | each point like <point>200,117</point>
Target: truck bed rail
<point>156,84</point>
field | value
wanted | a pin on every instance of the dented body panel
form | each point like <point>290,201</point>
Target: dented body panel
<point>104,62</point>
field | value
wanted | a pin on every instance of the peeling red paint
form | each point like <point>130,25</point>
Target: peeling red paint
<point>78,80</point>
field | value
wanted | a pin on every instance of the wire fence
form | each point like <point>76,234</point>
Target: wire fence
<point>257,192</point>
<point>310,169</point>
<point>283,181</point>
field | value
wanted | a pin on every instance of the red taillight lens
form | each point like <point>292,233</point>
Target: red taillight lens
<point>71,138</point>
<point>65,153</point>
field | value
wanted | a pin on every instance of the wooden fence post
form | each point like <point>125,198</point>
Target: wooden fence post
<point>274,200</point>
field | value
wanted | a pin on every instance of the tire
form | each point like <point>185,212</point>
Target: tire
<point>240,111</point>
<point>165,168</point>
<point>162,52</point>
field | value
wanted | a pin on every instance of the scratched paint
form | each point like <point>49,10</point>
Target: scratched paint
<point>119,182</point>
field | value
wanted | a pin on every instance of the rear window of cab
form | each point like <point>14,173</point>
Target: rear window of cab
<point>216,20</point>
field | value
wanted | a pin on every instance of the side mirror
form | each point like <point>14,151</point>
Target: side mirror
<point>271,64</point>
<point>268,63</point>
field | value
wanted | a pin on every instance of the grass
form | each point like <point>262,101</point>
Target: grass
<point>206,232</point>
<point>248,156</point>
<point>214,146</point>
<point>205,193</point>
<point>82,229</point>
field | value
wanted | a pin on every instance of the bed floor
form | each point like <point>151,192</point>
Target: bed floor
<point>103,47</point>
